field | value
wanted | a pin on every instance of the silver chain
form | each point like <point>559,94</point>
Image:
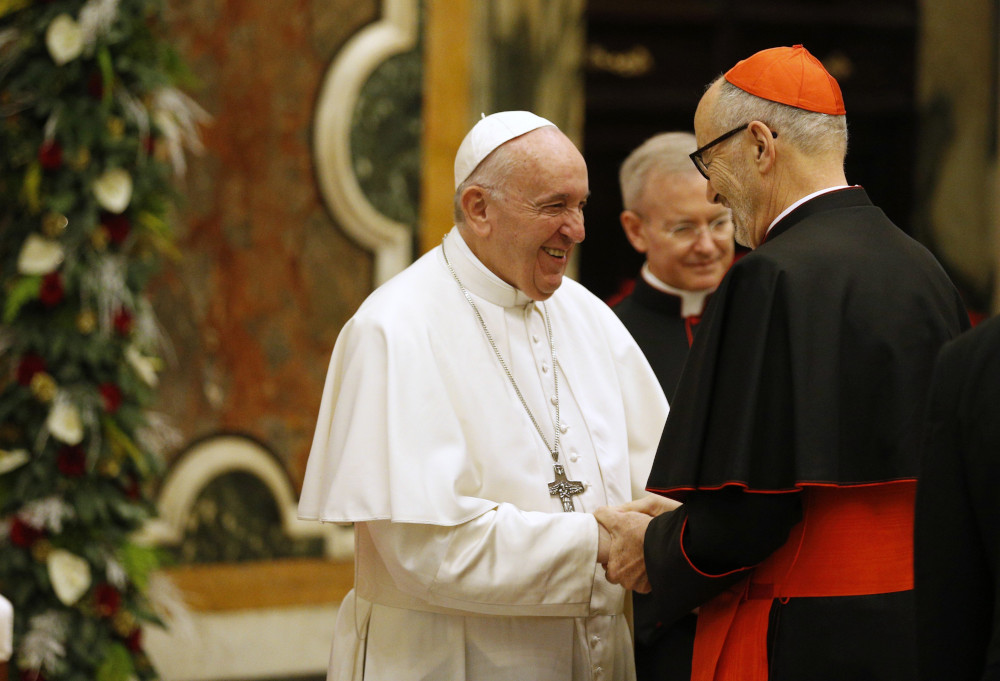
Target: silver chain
<point>554,451</point>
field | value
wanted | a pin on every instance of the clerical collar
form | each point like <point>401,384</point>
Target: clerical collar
<point>798,203</point>
<point>477,278</point>
<point>692,302</point>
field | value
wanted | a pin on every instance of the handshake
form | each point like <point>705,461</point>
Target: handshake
<point>621,531</point>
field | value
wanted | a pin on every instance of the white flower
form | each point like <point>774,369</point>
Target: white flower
<point>47,513</point>
<point>137,112</point>
<point>11,460</point>
<point>45,643</point>
<point>115,573</point>
<point>64,38</point>
<point>64,421</point>
<point>96,19</point>
<point>144,366</point>
<point>70,575</point>
<point>178,116</point>
<point>39,255</point>
<point>104,283</point>
<point>113,190</point>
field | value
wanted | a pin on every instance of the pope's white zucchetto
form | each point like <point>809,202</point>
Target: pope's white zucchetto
<point>488,134</point>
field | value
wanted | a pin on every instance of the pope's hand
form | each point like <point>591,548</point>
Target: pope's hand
<point>625,565</point>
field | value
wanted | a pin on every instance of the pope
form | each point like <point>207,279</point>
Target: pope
<point>478,408</point>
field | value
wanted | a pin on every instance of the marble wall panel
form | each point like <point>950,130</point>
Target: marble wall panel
<point>267,278</point>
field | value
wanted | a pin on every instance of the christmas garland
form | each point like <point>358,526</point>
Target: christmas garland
<point>92,131</point>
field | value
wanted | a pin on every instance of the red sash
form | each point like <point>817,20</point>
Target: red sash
<point>852,541</point>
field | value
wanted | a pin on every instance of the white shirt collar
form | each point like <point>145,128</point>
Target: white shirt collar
<point>798,203</point>
<point>692,302</point>
<point>476,277</point>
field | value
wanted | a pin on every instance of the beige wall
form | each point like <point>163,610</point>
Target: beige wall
<point>955,93</point>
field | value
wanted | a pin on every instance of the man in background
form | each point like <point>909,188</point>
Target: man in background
<point>688,244</point>
<point>957,545</point>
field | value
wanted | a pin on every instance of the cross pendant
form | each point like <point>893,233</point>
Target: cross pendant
<point>564,489</point>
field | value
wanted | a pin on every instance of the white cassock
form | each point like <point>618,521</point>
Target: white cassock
<point>466,566</point>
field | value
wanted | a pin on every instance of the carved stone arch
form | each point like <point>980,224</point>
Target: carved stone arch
<point>215,456</point>
<point>390,240</point>
<point>237,607</point>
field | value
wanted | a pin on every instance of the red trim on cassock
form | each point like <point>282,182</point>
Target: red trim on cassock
<point>852,541</point>
<point>695,568</point>
<point>799,486</point>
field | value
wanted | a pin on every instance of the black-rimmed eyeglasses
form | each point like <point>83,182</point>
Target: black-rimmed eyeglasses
<point>696,155</point>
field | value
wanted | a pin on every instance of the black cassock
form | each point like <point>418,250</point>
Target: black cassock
<point>957,548</point>
<point>653,317</point>
<point>810,367</point>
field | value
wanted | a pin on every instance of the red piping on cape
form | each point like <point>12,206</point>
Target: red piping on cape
<point>798,486</point>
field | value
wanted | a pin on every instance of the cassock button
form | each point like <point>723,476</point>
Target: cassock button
<point>594,640</point>
<point>574,456</point>
<point>534,337</point>
<point>545,368</point>
<point>563,428</point>
<point>554,400</point>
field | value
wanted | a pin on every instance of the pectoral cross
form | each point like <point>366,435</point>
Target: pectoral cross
<point>564,489</point>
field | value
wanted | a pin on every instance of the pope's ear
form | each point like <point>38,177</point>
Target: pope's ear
<point>632,224</point>
<point>474,202</point>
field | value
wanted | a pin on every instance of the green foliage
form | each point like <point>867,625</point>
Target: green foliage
<point>116,666</point>
<point>90,119</point>
<point>20,292</point>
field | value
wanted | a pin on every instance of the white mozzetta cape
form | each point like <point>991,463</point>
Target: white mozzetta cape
<point>466,567</point>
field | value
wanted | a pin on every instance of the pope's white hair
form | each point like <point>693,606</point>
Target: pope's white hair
<point>492,173</point>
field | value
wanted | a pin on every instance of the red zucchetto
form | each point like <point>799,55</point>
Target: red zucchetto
<point>789,75</point>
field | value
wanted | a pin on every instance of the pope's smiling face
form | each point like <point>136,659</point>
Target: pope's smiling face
<point>536,218</point>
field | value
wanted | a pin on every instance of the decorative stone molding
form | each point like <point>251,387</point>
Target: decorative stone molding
<point>232,610</point>
<point>209,459</point>
<point>395,33</point>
